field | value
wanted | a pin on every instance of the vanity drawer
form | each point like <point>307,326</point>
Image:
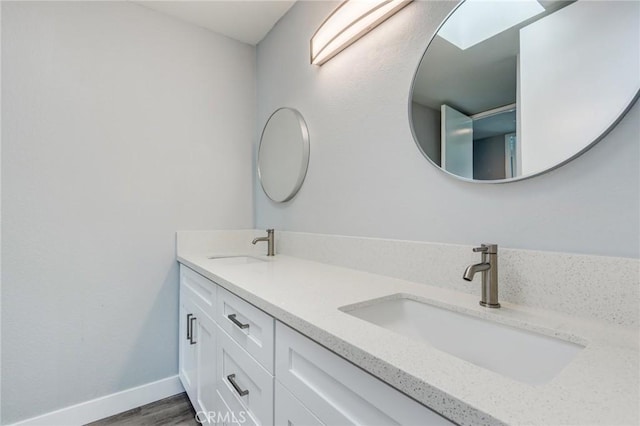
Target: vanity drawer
<point>289,411</point>
<point>242,383</point>
<point>231,415</point>
<point>337,392</point>
<point>199,290</point>
<point>251,328</point>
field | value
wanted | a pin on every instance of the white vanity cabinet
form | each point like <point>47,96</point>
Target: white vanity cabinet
<point>225,354</point>
<point>240,366</point>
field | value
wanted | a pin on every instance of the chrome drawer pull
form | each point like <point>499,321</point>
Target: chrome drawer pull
<point>233,319</point>
<point>193,342</point>
<point>189,327</point>
<point>232,379</point>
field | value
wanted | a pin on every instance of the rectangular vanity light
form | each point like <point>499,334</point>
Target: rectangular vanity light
<point>475,21</point>
<point>347,23</point>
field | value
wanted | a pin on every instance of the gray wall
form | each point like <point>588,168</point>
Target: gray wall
<point>426,126</point>
<point>367,178</point>
<point>120,126</point>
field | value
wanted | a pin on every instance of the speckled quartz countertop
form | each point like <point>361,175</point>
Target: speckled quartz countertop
<point>599,386</point>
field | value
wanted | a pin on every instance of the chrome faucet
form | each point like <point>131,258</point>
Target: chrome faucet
<point>271,250</point>
<point>489,269</point>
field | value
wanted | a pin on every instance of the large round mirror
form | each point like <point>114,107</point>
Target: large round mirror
<point>509,89</point>
<point>283,156</point>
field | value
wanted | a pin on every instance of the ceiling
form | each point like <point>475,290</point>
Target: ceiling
<point>248,21</point>
<point>480,78</point>
<point>477,79</point>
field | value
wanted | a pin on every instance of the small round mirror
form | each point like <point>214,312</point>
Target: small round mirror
<point>507,90</point>
<point>283,156</point>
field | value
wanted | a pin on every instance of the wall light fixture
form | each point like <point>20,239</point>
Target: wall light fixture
<point>347,23</point>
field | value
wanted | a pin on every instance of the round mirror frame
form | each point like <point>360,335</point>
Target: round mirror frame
<point>305,150</point>
<point>515,179</point>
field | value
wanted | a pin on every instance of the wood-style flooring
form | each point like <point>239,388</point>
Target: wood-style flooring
<point>173,411</point>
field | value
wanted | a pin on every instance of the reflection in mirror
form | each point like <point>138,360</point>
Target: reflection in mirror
<point>510,89</point>
<point>283,155</point>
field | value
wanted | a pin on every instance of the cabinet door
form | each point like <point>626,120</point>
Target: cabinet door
<point>187,351</point>
<point>289,411</point>
<point>197,347</point>
<point>338,392</point>
<point>204,338</point>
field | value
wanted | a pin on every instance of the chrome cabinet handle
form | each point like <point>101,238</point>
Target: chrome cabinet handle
<point>233,319</point>
<point>193,342</point>
<point>232,379</point>
<point>189,327</point>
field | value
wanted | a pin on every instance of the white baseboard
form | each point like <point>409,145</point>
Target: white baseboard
<point>109,405</point>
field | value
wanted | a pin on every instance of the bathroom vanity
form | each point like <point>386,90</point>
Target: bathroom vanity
<point>237,359</point>
<point>284,340</point>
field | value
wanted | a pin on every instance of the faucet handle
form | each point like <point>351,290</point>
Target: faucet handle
<point>486,248</point>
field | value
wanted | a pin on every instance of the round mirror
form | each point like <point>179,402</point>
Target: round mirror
<point>507,90</point>
<point>283,156</point>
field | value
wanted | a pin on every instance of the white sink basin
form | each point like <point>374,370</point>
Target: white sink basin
<point>519,354</point>
<point>236,260</point>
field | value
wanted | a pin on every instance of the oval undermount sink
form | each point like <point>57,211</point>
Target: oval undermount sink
<point>522,355</point>
<point>236,260</point>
